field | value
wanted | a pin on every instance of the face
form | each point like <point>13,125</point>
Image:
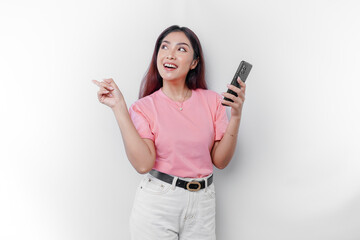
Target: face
<point>175,57</point>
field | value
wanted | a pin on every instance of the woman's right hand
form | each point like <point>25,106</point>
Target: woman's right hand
<point>109,93</point>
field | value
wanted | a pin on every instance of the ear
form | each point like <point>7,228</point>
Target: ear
<point>194,64</point>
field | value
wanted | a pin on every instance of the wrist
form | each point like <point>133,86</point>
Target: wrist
<point>235,118</point>
<point>119,108</point>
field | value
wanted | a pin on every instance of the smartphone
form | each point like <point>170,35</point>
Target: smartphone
<point>242,72</point>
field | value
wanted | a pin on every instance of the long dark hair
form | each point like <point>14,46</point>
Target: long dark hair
<point>195,78</point>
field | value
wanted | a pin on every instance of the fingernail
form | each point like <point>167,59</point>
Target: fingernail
<point>111,88</point>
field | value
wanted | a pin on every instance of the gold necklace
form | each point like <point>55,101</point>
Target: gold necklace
<point>181,103</point>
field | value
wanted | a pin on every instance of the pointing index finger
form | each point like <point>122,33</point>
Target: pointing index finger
<point>96,82</point>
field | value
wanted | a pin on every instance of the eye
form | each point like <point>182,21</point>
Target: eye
<point>163,46</point>
<point>182,49</point>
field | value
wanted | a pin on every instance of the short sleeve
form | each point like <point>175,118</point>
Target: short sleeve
<point>141,122</point>
<point>221,120</point>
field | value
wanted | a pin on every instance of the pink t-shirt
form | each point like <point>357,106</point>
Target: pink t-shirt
<point>183,139</point>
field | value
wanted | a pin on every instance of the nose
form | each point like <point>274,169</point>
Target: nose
<point>170,55</point>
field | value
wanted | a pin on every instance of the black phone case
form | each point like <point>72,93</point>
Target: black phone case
<point>243,72</point>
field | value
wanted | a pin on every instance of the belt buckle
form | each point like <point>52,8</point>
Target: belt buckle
<point>193,189</point>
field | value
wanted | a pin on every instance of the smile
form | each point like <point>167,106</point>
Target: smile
<point>170,66</point>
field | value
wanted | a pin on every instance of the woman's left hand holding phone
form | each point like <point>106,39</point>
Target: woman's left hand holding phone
<point>236,106</point>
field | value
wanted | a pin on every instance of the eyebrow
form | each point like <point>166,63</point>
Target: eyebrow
<point>177,43</point>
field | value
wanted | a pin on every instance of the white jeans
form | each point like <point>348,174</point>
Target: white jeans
<point>162,211</point>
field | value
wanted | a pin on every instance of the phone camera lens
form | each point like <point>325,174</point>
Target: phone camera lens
<point>243,69</point>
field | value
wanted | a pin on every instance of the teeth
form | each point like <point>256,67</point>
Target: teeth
<point>169,65</point>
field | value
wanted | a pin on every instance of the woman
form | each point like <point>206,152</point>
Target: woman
<point>174,134</point>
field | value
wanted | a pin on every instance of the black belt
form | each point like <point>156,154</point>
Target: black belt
<point>191,186</point>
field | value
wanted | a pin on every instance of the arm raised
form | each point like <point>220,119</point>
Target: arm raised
<point>223,150</point>
<point>140,152</point>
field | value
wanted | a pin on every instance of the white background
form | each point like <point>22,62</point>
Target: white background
<point>296,171</point>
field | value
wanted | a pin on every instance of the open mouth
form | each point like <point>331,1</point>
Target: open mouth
<point>170,66</point>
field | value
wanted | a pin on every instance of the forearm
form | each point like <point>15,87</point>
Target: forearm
<point>225,148</point>
<point>138,152</point>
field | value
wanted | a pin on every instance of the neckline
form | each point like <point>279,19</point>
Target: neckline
<point>176,102</point>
